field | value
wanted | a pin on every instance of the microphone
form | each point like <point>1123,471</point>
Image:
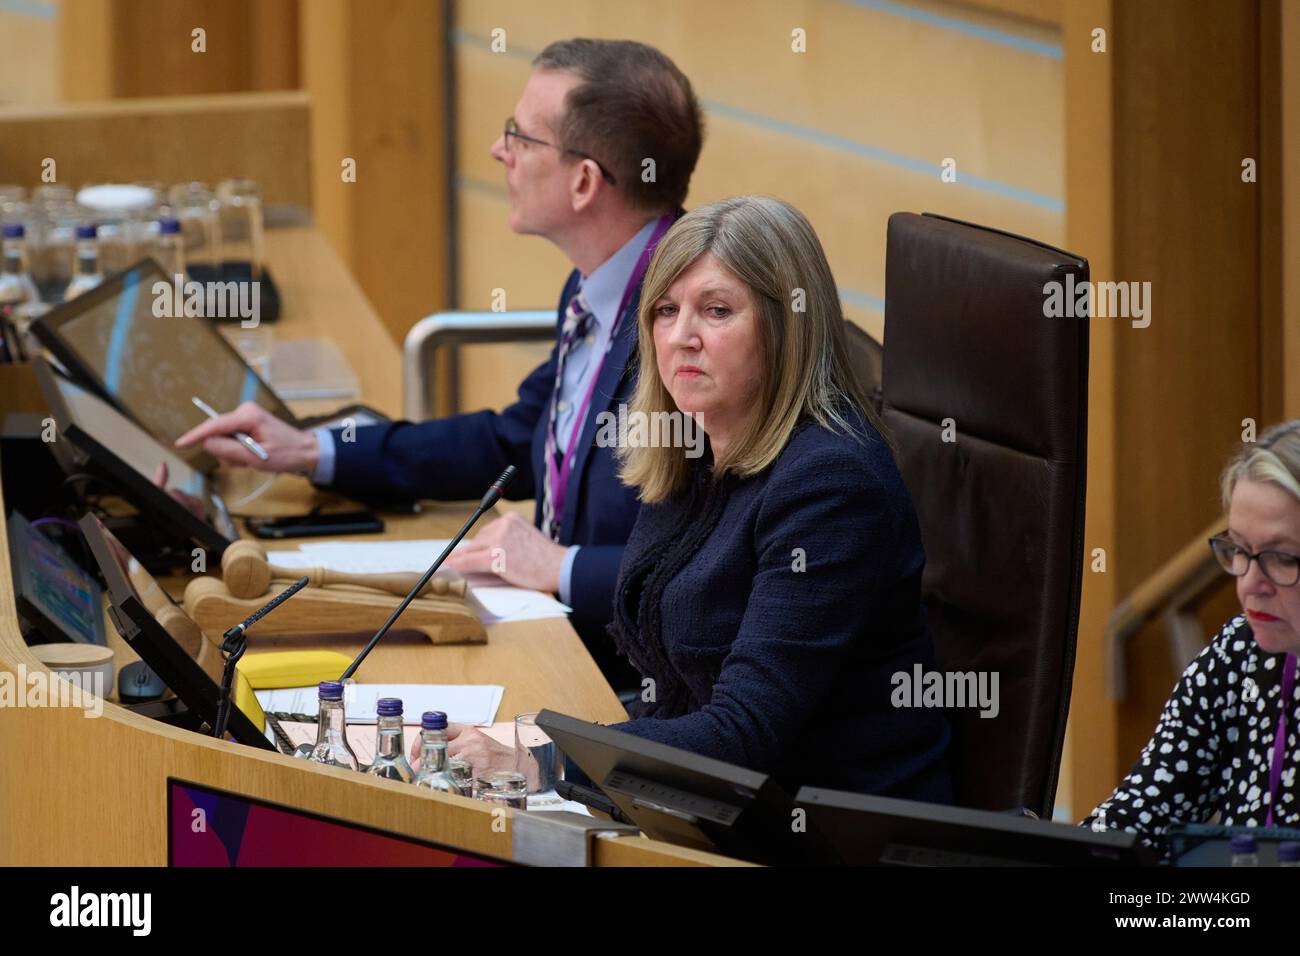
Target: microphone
<point>238,631</point>
<point>233,646</point>
<point>492,496</point>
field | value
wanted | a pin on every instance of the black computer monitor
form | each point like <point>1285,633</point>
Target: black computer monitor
<point>98,437</point>
<point>150,366</point>
<point>164,636</point>
<point>683,798</point>
<point>867,830</point>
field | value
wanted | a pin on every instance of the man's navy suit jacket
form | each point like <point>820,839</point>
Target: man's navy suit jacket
<point>456,458</point>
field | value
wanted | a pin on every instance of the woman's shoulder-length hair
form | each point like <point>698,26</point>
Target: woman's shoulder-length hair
<point>806,373</point>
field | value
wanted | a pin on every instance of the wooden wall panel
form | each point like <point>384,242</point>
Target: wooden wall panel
<point>86,49</point>
<point>851,131</point>
<point>118,48</point>
<point>322,41</point>
<point>1186,114</point>
<point>29,65</point>
<point>892,81</point>
<point>529,271</point>
<point>1287,195</point>
<point>1092,769</point>
<point>262,135</point>
<point>376,75</point>
<point>1052,12</point>
<point>152,53</point>
<point>1272,337</point>
<point>273,58</point>
<point>400,208</point>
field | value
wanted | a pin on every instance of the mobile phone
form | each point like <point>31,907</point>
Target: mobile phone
<point>316,525</point>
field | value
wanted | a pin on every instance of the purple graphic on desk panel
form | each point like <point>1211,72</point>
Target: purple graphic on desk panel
<point>215,828</point>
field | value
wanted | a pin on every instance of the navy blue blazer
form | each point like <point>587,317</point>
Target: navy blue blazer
<point>456,458</point>
<point>771,613</point>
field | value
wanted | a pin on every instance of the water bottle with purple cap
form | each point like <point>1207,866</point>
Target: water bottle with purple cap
<point>169,249</point>
<point>1245,851</point>
<point>331,729</point>
<point>434,773</point>
<point>16,285</point>
<point>390,743</point>
<point>86,274</point>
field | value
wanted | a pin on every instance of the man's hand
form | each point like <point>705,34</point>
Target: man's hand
<point>289,449</point>
<point>471,744</point>
<point>512,548</point>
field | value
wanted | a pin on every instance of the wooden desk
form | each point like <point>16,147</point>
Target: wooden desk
<point>92,791</point>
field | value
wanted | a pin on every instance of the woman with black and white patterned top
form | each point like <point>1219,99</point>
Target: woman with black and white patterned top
<point>1217,747</point>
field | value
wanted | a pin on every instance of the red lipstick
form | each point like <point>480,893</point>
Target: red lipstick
<point>1261,616</point>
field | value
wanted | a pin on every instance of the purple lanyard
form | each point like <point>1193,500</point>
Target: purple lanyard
<point>559,474</point>
<point>1279,743</point>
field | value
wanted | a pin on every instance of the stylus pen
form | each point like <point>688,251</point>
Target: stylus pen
<point>243,437</point>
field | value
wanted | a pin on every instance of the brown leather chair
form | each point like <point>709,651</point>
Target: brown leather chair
<point>867,356</point>
<point>1001,506</point>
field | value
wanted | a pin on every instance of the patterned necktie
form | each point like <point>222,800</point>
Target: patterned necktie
<point>577,319</point>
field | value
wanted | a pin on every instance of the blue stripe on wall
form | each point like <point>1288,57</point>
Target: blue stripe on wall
<point>861,299</point>
<point>807,134</point>
<point>30,8</point>
<point>1052,51</point>
<point>888,157</point>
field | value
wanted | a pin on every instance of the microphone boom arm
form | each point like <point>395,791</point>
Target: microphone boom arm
<point>492,496</point>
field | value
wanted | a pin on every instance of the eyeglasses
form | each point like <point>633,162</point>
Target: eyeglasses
<point>1280,567</point>
<point>512,129</point>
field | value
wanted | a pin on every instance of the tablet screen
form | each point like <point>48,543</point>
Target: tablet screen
<point>138,450</point>
<point>138,345</point>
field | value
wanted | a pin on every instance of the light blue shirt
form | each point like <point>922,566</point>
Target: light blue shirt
<point>603,292</point>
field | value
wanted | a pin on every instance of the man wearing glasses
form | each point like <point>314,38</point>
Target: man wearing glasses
<point>598,157</point>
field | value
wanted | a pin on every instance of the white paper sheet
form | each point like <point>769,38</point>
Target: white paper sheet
<point>462,703</point>
<point>375,557</point>
<point>493,598</point>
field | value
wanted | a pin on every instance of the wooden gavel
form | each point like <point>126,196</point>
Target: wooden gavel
<point>248,574</point>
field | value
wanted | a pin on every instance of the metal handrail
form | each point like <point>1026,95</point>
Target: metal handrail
<point>452,330</point>
<point>1170,592</point>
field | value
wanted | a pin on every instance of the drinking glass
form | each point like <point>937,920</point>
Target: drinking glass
<point>503,787</point>
<point>240,212</point>
<point>537,757</point>
<point>195,208</point>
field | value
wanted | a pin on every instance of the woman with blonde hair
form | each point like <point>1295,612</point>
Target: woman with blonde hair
<point>771,587</point>
<point>1226,742</point>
